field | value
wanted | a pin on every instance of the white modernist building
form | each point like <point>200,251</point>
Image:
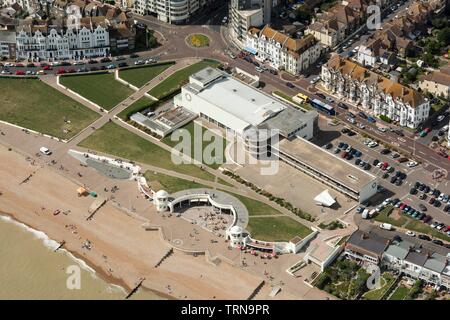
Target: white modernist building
<point>242,110</point>
<point>68,44</point>
<point>281,51</point>
<point>374,92</point>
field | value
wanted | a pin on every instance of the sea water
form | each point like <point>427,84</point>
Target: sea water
<point>31,269</point>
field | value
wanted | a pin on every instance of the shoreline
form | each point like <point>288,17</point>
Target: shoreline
<point>83,262</point>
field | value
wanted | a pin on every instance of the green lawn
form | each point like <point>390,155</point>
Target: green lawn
<point>175,81</point>
<point>399,293</point>
<point>276,228</point>
<point>100,88</point>
<point>217,158</point>
<point>409,223</point>
<point>141,75</point>
<point>255,207</point>
<point>136,106</point>
<point>172,184</point>
<point>198,40</point>
<point>384,216</point>
<point>387,280</point>
<point>421,227</point>
<point>305,106</point>
<point>32,104</point>
<point>115,140</point>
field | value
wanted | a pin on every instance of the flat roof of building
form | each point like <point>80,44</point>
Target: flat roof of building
<point>327,163</point>
<point>236,98</point>
<point>289,120</point>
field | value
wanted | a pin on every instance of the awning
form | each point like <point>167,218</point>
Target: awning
<point>251,50</point>
<point>325,199</point>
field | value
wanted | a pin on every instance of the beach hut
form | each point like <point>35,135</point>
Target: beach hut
<point>81,191</point>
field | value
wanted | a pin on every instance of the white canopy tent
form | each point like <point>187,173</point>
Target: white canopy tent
<point>324,199</point>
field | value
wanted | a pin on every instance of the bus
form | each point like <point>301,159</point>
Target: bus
<point>321,106</point>
<point>300,97</point>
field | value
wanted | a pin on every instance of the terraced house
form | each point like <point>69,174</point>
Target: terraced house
<point>281,51</point>
<point>375,93</point>
<point>55,42</point>
<point>332,27</point>
<point>397,36</point>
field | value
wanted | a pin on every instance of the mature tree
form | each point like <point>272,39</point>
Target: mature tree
<point>443,36</point>
<point>303,13</point>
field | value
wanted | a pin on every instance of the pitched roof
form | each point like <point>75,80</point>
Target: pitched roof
<point>294,45</point>
<point>440,77</point>
<point>361,74</point>
<point>370,243</point>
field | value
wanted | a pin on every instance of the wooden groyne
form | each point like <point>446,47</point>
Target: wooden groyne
<point>60,245</point>
<point>135,289</point>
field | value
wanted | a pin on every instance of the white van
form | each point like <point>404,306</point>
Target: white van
<point>386,226</point>
<point>45,151</point>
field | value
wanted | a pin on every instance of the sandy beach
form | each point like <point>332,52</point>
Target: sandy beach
<point>121,251</point>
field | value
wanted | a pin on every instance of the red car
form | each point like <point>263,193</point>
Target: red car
<point>20,73</point>
<point>402,206</point>
<point>344,154</point>
<point>427,130</point>
<point>61,71</point>
<point>384,166</point>
<point>47,68</point>
<point>19,65</point>
<point>71,70</point>
<point>447,228</point>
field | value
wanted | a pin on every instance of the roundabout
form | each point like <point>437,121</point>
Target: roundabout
<point>198,40</point>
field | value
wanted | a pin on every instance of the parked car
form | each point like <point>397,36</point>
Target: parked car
<point>385,151</point>
<point>46,151</point>
<point>411,164</point>
<point>320,95</point>
<point>386,226</point>
<point>424,237</point>
<point>422,207</point>
<point>290,85</point>
<point>410,233</point>
<point>438,242</point>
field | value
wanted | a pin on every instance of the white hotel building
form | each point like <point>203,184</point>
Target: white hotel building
<point>69,44</point>
<point>281,51</point>
<point>375,93</point>
<point>171,11</point>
